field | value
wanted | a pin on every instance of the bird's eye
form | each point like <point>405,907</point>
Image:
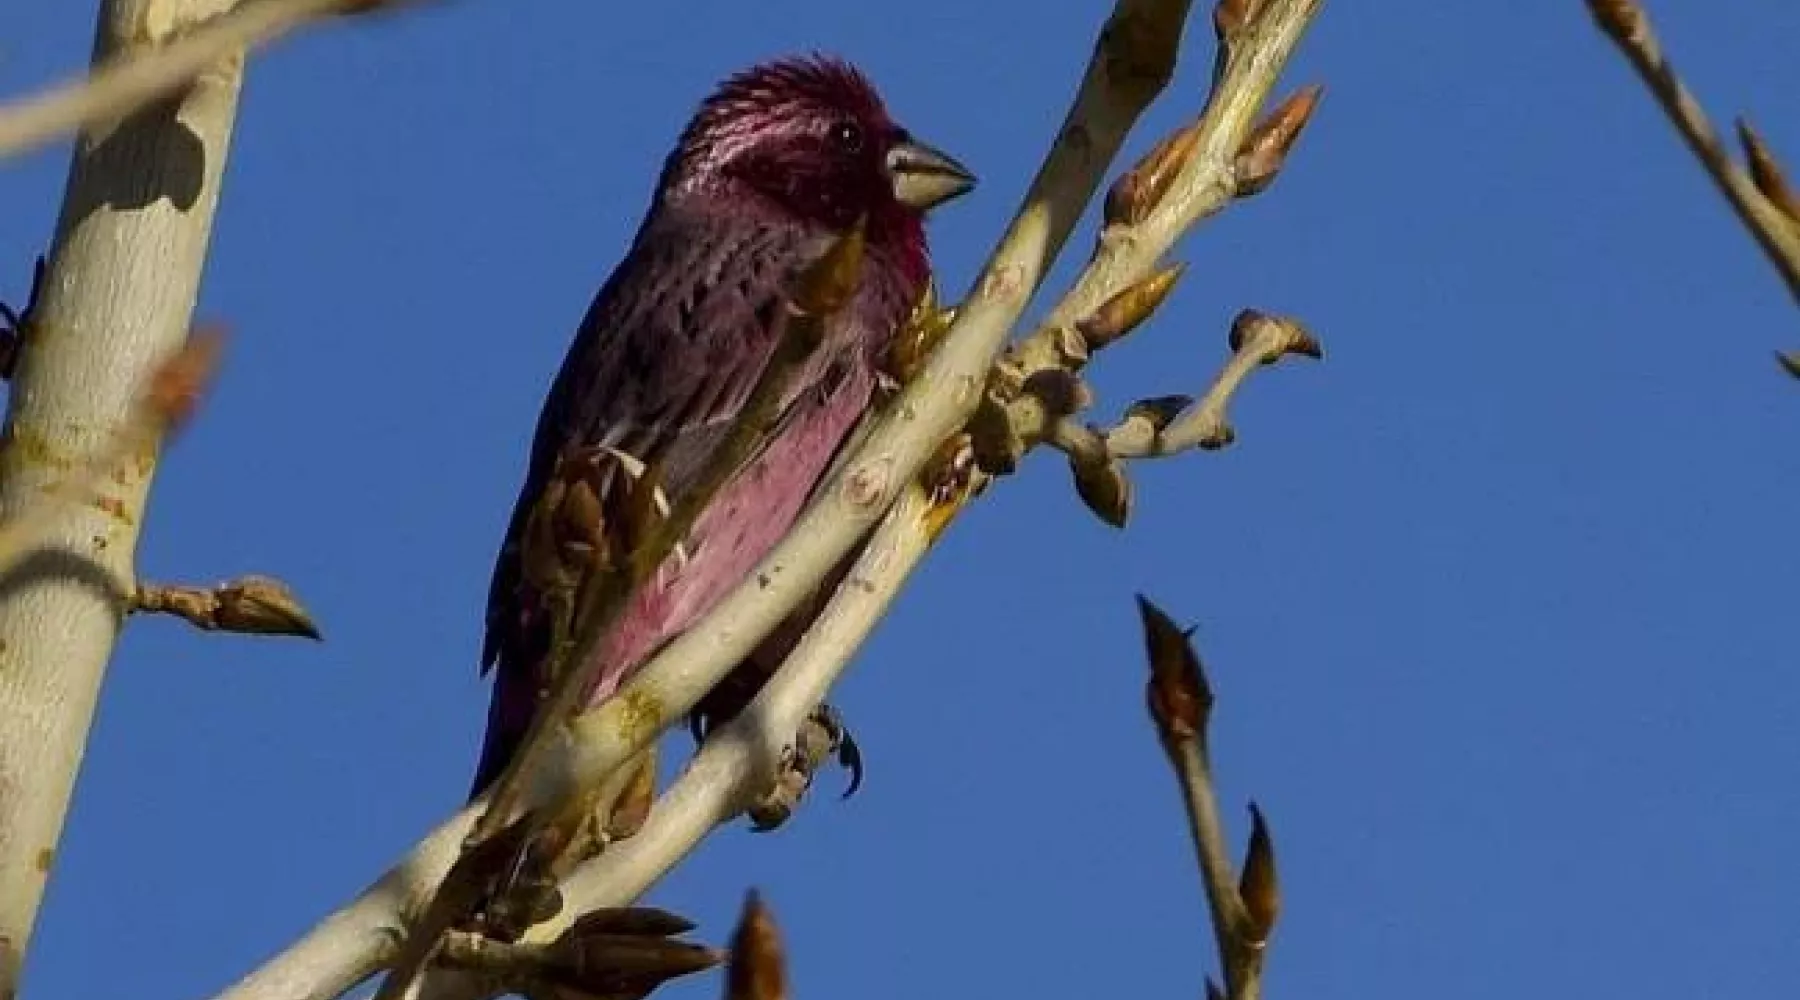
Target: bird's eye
<point>847,136</point>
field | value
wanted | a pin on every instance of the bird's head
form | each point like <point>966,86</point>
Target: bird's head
<point>812,136</point>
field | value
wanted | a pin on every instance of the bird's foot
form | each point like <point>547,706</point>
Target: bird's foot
<point>524,893</point>
<point>822,737</point>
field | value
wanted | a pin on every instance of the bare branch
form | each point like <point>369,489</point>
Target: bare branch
<point>1760,195</point>
<point>165,403</point>
<point>252,605</point>
<point>1132,61</point>
<point>162,59</point>
<point>1257,339</point>
<point>1243,911</point>
<point>99,383</point>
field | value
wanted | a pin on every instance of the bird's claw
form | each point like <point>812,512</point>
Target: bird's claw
<point>523,895</point>
<point>822,736</point>
<point>829,722</point>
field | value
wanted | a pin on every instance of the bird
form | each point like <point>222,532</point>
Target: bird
<point>777,164</point>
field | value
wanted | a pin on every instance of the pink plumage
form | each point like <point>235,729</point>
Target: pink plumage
<point>776,163</point>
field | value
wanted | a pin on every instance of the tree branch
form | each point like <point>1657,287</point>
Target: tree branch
<point>251,605</point>
<point>1760,195</point>
<point>117,300</point>
<point>1165,426</point>
<point>157,58</point>
<point>741,757</point>
<point>1132,61</point>
<point>821,291</point>
<point>1243,910</point>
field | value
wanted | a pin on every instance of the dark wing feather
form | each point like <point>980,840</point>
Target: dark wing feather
<point>665,358</point>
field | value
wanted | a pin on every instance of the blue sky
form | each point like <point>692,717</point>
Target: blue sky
<point>1495,599</point>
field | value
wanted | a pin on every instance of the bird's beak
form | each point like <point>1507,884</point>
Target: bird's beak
<point>925,178</point>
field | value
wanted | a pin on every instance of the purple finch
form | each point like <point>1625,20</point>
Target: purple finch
<point>780,161</point>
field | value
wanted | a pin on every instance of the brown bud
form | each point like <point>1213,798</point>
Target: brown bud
<point>829,282</point>
<point>1122,313</point>
<point>1139,190</point>
<point>1258,887</point>
<point>994,441</point>
<point>1104,488</point>
<point>179,382</point>
<point>1267,148</point>
<point>351,8</point>
<point>949,480</point>
<point>265,606</point>
<point>757,970</point>
<point>588,956</point>
<point>1623,20</point>
<point>641,920</point>
<point>1269,338</point>
<point>1137,433</point>
<point>1060,390</point>
<point>1180,698</point>
<point>1766,172</point>
<point>1159,411</point>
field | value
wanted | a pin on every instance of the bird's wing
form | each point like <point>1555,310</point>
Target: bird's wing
<point>664,361</point>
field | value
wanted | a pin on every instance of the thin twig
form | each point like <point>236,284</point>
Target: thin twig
<point>1756,195</point>
<point>1243,910</point>
<point>251,605</point>
<point>130,82</point>
<point>1227,154</point>
<point>1257,340</point>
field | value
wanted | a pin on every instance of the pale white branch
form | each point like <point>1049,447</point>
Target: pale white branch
<point>165,46</point>
<point>740,757</point>
<point>117,303</point>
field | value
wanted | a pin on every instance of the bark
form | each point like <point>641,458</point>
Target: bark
<point>123,274</point>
